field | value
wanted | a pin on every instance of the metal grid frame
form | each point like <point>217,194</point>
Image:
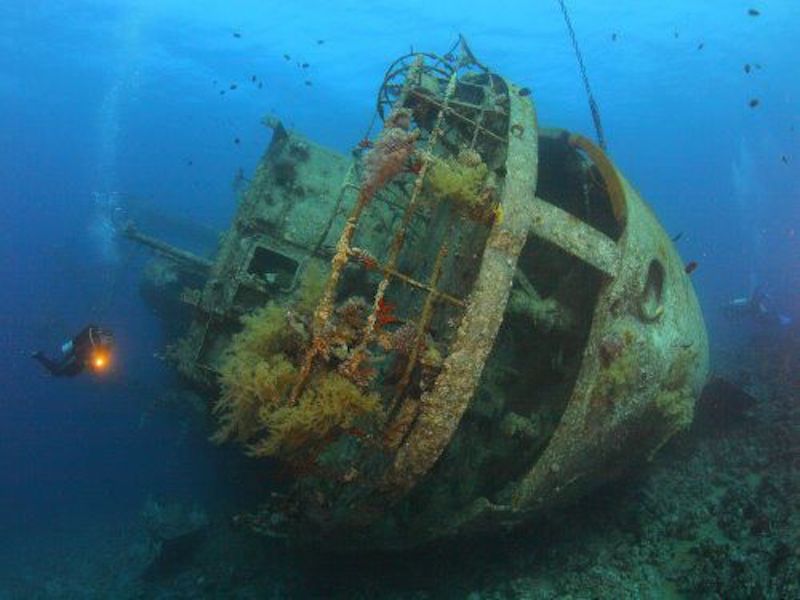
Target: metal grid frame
<point>347,253</point>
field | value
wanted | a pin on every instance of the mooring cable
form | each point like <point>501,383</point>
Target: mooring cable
<point>598,126</point>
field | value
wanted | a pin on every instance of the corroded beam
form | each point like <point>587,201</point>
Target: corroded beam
<point>184,259</point>
<point>574,236</point>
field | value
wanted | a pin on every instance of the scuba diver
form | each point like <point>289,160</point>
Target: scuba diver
<point>91,349</point>
<point>758,308</point>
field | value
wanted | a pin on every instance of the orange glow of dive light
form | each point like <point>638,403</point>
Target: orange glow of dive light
<point>100,361</point>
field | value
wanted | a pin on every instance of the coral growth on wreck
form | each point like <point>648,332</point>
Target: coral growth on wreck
<point>462,180</point>
<point>620,367</point>
<point>260,371</point>
<point>388,157</point>
<point>329,404</point>
<point>676,399</point>
<point>254,374</point>
<point>285,173</point>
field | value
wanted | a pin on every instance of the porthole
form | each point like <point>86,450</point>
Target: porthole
<point>652,299</point>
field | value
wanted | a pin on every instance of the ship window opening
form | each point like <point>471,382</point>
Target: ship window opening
<point>572,182</point>
<point>272,268</point>
<point>652,303</point>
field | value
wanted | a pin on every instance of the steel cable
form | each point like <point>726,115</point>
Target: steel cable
<point>598,126</point>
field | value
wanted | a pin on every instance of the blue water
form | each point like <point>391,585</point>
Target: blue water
<point>104,98</point>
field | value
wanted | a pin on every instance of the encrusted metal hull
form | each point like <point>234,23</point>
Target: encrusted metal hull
<point>499,322</point>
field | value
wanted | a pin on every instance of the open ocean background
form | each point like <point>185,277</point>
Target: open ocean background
<point>121,100</point>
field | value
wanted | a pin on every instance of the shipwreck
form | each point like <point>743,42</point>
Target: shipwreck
<point>470,320</point>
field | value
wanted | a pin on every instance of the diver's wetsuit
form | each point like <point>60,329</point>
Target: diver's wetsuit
<point>76,353</point>
<point>68,366</point>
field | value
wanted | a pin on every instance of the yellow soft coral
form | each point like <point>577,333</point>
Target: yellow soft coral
<point>256,378</point>
<point>264,332</point>
<point>461,180</point>
<point>328,405</point>
<point>312,286</point>
<point>254,372</point>
<point>249,386</point>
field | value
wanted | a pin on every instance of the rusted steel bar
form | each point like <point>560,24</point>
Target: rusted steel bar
<point>422,325</point>
<point>478,127</point>
<point>324,309</point>
<point>399,236</point>
<point>410,281</point>
<point>458,115</point>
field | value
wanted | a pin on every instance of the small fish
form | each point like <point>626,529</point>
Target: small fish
<point>260,85</point>
<point>233,86</point>
<point>614,37</point>
<point>450,57</point>
<point>320,42</point>
<point>676,35</point>
<point>753,12</point>
<point>690,267</point>
<point>236,141</point>
<point>253,78</point>
<point>189,163</point>
<point>365,143</point>
<point>701,45</point>
<point>236,34</point>
<point>304,66</point>
<point>222,92</point>
<point>677,236</point>
<point>784,159</point>
<point>287,57</point>
<point>754,102</point>
<point>214,82</point>
<point>308,83</point>
<point>525,92</point>
<point>748,68</point>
